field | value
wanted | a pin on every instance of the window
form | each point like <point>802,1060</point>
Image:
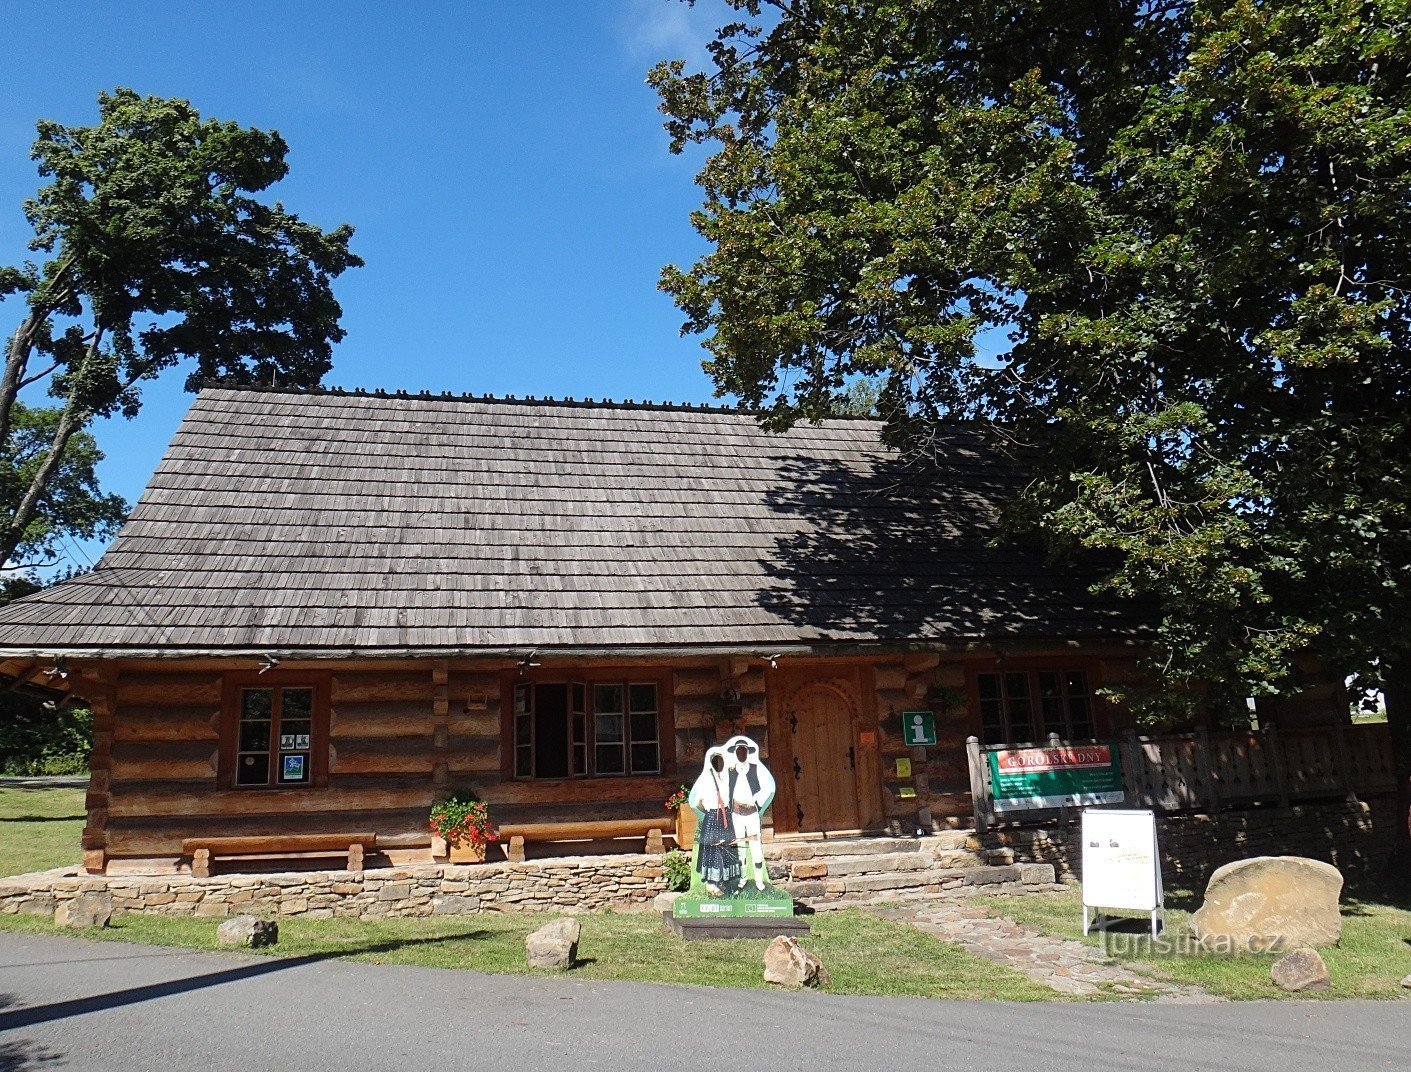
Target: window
<point>1029,705</point>
<point>574,729</point>
<point>278,735</point>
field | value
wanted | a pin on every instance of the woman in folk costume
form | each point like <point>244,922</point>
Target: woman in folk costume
<point>750,791</point>
<point>717,862</point>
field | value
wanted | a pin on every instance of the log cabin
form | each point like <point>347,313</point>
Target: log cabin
<point>331,608</point>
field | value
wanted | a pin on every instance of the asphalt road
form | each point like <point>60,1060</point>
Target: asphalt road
<point>79,1005</point>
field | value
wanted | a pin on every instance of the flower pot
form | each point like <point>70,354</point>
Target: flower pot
<point>466,853</point>
<point>685,829</point>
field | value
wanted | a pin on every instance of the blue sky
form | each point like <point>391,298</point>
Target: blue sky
<point>503,163</point>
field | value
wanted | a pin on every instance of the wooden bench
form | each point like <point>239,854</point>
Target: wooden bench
<point>514,835</point>
<point>204,851</point>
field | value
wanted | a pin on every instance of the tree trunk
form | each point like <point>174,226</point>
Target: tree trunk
<point>1397,691</point>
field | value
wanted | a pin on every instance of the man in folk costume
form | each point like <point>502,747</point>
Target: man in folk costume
<point>717,863</point>
<point>751,790</point>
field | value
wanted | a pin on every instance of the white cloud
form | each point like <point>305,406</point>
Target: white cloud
<point>670,29</point>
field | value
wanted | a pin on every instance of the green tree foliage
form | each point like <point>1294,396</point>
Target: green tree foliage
<point>39,737</point>
<point>153,252</point>
<point>1192,220</point>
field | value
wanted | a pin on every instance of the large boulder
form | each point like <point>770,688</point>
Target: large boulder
<point>554,945</point>
<point>85,910</point>
<point>1270,904</point>
<point>249,931</point>
<point>1303,969</point>
<point>786,963</point>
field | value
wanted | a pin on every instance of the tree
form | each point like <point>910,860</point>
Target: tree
<point>1190,220</point>
<point>153,252</point>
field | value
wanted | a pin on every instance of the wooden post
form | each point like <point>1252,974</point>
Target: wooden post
<point>1209,784</point>
<point>201,863</point>
<point>355,856</point>
<point>1274,754</point>
<point>102,699</point>
<point>655,846</point>
<point>979,788</point>
<point>441,729</point>
<point>1344,760</point>
<point>515,853</point>
<point>1133,769</point>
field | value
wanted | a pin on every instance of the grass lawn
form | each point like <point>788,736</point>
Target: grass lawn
<point>1374,955</point>
<point>864,955</point>
<point>39,828</point>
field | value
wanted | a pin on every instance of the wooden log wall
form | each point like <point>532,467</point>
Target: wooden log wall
<point>939,774</point>
<point>391,733</point>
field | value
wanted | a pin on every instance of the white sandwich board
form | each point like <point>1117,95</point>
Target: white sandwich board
<point>1121,864</point>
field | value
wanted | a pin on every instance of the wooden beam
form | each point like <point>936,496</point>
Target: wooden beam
<point>586,831</point>
<point>276,843</point>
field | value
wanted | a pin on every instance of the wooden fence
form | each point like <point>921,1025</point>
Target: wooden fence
<point>1208,771</point>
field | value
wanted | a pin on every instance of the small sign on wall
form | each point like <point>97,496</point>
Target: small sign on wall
<point>904,768</point>
<point>918,728</point>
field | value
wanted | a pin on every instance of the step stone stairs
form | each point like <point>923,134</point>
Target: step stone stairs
<point>848,871</point>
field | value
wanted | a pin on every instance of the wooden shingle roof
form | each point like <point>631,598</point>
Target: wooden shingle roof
<point>329,522</point>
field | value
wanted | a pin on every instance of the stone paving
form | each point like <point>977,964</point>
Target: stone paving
<point>1068,967</point>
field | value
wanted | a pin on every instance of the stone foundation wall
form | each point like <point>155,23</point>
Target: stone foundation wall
<point>1352,835</point>
<point>577,884</point>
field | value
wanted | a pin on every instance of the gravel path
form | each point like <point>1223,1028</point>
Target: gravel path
<point>1068,967</point>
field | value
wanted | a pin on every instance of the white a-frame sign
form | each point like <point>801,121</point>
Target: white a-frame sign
<point>1121,865</point>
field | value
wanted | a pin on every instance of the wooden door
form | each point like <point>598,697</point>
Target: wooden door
<point>820,718</point>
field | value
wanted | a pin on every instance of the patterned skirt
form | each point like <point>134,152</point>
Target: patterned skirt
<point>717,861</point>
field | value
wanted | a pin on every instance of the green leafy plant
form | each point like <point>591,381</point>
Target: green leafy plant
<point>463,820</point>
<point>676,866</point>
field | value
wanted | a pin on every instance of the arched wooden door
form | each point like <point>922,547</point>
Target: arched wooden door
<point>820,720</point>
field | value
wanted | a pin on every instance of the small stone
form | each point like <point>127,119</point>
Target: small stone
<point>85,910</point>
<point>554,945</point>
<point>1406,982</point>
<point>810,869</point>
<point>250,931</point>
<point>666,902</point>
<point>454,905</point>
<point>1303,969</point>
<point>787,963</point>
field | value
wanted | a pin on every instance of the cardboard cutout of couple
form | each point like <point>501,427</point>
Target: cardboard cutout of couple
<point>730,799</point>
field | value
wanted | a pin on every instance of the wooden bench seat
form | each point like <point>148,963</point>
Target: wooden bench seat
<point>514,835</point>
<point>203,851</point>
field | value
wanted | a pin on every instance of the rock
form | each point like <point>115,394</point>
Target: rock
<point>250,931</point>
<point>1406,982</point>
<point>454,904</point>
<point>85,910</point>
<point>554,945</point>
<point>1270,904</point>
<point>1303,969</point>
<point>666,902</point>
<point>786,963</point>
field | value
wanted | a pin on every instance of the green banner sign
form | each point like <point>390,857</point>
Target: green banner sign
<point>1060,776</point>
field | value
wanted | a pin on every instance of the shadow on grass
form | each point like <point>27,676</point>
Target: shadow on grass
<point>1363,891</point>
<point>13,1018</point>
